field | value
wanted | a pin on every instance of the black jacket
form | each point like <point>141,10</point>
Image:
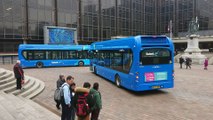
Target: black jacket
<point>59,83</point>
<point>181,60</point>
<point>18,71</point>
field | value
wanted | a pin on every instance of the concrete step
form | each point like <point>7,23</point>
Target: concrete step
<point>9,79</point>
<point>4,114</point>
<point>31,89</point>
<point>18,108</point>
<point>37,91</point>
<point>6,85</point>
<point>9,89</point>
<point>12,105</point>
<point>13,88</point>
<point>16,92</point>
<point>8,74</point>
<point>2,72</point>
<point>48,114</point>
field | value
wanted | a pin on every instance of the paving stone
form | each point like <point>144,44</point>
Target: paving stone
<point>190,99</point>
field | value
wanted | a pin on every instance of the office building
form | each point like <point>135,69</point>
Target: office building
<point>22,21</point>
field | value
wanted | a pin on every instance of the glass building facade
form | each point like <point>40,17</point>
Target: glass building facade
<point>22,21</point>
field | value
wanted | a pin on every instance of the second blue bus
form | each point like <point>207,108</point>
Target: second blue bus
<point>34,55</point>
<point>137,63</point>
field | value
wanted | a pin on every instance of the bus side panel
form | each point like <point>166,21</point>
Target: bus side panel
<point>105,72</point>
<point>86,61</point>
<point>26,63</point>
<point>71,62</point>
<point>126,79</point>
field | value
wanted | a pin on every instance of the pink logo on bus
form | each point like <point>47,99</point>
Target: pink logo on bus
<point>149,77</point>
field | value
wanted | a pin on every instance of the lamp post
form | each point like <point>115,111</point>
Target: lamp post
<point>170,28</point>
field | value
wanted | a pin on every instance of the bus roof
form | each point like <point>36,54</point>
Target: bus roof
<point>53,47</point>
<point>132,41</point>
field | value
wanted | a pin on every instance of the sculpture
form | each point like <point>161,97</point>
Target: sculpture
<point>193,26</point>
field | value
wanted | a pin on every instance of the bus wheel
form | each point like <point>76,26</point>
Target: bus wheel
<point>39,64</point>
<point>81,63</point>
<point>117,81</point>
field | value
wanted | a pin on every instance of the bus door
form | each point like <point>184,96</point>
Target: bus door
<point>155,64</point>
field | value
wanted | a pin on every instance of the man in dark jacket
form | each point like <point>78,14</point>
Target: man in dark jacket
<point>59,82</point>
<point>188,62</point>
<point>19,74</point>
<point>181,61</point>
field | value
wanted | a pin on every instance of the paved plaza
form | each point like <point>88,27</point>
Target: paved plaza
<point>190,99</point>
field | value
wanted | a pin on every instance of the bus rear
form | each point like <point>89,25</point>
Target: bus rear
<point>155,66</point>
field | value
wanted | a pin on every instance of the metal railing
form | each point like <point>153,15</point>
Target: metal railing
<point>8,58</point>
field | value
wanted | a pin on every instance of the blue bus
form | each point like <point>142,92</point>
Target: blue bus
<point>137,63</point>
<point>34,55</point>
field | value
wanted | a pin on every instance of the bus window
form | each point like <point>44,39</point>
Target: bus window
<point>39,55</point>
<point>24,53</point>
<point>82,54</point>
<point>100,58</point>
<point>127,61</point>
<point>55,55</point>
<point>72,55</point>
<point>155,56</point>
<point>48,55</point>
<point>116,60</point>
<point>65,54</point>
<point>29,55</point>
<point>106,59</point>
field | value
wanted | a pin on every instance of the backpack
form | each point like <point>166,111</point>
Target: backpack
<point>59,93</point>
<point>82,107</point>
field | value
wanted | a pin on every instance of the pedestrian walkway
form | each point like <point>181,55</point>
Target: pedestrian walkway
<point>19,108</point>
<point>190,99</point>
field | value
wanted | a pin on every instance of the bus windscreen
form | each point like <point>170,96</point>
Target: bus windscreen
<point>155,56</point>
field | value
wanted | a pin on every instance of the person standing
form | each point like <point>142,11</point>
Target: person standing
<point>59,83</point>
<point>206,63</point>
<point>181,61</point>
<point>66,99</point>
<point>98,102</point>
<point>83,102</point>
<point>72,90</point>
<point>188,62</point>
<point>19,74</point>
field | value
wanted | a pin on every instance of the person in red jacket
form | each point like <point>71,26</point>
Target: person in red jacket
<point>19,74</point>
